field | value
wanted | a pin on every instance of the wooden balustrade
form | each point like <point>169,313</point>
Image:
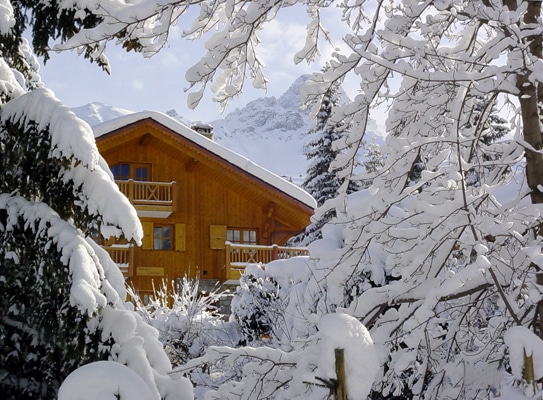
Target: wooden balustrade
<point>123,256</point>
<point>238,256</point>
<point>148,193</point>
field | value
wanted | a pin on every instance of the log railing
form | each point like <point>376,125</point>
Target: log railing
<point>238,256</point>
<point>148,193</point>
<point>123,256</point>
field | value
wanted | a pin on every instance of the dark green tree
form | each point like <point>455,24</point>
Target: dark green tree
<point>322,180</point>
<point>43,336</point>
<point>62,302</point>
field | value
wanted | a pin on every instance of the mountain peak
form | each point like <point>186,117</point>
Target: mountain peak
<point>292,98</point>
<point>96,113</point>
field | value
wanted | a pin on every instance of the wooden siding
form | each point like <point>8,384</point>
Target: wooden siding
<point>208,192</point>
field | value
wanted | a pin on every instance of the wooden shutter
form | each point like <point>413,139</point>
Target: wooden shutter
<point>217,236</point>
<point>147,242</point>
<point>180,237</point>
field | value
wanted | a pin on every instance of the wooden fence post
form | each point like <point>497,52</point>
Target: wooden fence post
<point>341,393</point>
<point>228,260</point>
<point>130,193</point>
<point>131,265</point>
<point>275,252</point>
<point>529,376</point>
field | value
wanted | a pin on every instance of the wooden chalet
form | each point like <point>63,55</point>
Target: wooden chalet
<point>204,209</point>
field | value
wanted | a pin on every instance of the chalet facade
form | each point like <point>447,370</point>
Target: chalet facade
<point>205,210</point>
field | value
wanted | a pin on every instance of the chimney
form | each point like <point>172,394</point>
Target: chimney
<point>203,129</point>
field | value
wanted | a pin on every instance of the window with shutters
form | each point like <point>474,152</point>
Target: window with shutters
<point>163,237</point>
<point>241,236</point>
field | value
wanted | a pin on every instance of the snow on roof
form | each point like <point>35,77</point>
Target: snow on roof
<point>233,158</point>
<point>200,124</point>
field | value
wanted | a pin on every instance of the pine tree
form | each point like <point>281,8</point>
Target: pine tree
<point>44,337</point>
<point>322,181</point>
<point>373,162</point>
<point>62,303</point>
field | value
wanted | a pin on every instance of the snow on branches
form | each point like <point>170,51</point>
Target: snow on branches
<point>306,372</point>
<point>63,297</point>
<point>440,255</point>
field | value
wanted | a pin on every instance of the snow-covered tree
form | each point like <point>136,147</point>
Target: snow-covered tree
<point>258,306</point>
<point>496,127</point>
<point>63,298</point>
<point>441,269</point>
<point>321,181</point>
<point>308,371</point>
<point>373,162</point>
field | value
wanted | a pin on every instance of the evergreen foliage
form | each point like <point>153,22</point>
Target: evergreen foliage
<point>43,334</point>
<point>44,337</point>
<point>48,21</point>
<point>258,307</point>
<point>322,180</point>
<point>62,303</point>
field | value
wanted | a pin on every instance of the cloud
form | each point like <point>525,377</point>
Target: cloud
<point>137,84</point>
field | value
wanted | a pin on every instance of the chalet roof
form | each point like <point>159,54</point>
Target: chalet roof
<point>228,155</point>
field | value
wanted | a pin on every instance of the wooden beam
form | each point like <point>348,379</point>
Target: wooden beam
<point>268,222</point>
<point>191,165</point>
<point>145,139</point>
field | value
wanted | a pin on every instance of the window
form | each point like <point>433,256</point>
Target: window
<point>162,237</point>
<point>146,297</point>
<point>242,236</point>
<point>141,174</point>
<point>159,236</point>
<point>137,172</point>
<point>121,172</point>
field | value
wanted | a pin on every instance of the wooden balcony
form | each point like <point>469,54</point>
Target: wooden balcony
<point>151,199</point>
<point>238,256</point>
<point>123,256</point>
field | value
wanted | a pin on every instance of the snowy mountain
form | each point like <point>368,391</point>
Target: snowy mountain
<point>97,113</point>
<point>269,131</point>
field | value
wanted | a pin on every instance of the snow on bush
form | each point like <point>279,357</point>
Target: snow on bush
<point>95,382</point>
<point>258,307</point>
<point>270,373</point>
<point>188,320</point>
<point>524,343</point>
<point>341,331</point>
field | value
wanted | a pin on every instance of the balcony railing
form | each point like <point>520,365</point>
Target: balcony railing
<point>157,197</point>
<point>154,194</point>
<point>123,256</point>
<point>238,256</point>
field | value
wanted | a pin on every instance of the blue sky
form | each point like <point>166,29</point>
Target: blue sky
<point>158,83</point>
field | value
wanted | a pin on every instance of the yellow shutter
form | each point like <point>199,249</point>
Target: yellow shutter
<point>180,237</point>
<point>217,235</point>
<point>147,242</point>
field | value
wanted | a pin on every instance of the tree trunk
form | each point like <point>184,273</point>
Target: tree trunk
<point>529,95</point>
